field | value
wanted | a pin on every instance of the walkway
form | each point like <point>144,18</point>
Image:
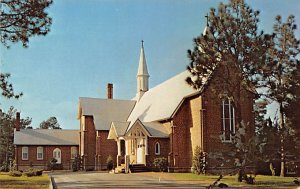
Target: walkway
<point>107,180</point>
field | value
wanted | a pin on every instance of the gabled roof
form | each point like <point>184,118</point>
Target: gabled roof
<point>160,102</point>
<point>156,129</point>
<point>105,111</point>
<point>117,129</point>
<point>46,137</point>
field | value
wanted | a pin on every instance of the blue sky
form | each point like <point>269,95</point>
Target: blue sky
<point>94,42</point>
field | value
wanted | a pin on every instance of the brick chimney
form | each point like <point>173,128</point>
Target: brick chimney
<point>110,91</point>
<point>18,122</point>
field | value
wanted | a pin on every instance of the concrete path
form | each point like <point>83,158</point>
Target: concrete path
<point>107,180</point>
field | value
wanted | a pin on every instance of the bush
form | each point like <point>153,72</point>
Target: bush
<point>110,163</point>
<point>33,172</point>
<point>76,164</point>
<point>15,173</point>
<point>52,164</point>
<point>199,161</point>
<point>161,163</point>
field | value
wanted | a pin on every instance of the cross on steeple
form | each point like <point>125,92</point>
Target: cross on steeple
<point>142,43</point>
<point>206,19</point>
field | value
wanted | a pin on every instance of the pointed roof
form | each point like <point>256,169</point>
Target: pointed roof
<point>105,111</point>
<point>142,70</point>
<point>160,102</point>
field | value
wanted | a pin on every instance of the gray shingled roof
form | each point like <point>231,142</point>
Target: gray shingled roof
<point>46,137</point>
<point>105,111</point>
<point>156,129</point>
<point>120,127</point>
<point>160,102</point>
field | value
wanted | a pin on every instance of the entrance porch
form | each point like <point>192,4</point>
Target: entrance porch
<point>132,145</point>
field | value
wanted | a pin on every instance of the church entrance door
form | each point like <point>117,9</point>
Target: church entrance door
<point>140,147</point>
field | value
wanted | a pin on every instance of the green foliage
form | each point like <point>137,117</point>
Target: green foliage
<point>76,164</point>
<point>52,163</point>
<point>23,19</point>
<point>160,163</point>
<point>7,124</point>
<point>50,123</point>
<point>7,88</point>
<point>33,172</point>
<point>110,163</point>
<point>15,173</point>
<point>199,161</point>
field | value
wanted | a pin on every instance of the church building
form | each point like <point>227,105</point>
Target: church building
<point>169,120</point>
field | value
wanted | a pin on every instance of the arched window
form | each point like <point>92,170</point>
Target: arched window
<point>25,153</point>
<point>39,153</point>
<point>157,148</point>
<point>57,155</point>
<point>227,120</point>
<point>74,152</point>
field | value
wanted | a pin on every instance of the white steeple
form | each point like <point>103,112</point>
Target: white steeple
<point>207,26</point>
<point>142,75</point>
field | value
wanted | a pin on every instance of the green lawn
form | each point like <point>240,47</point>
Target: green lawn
<point>25,182</point>
<point>205,180</point>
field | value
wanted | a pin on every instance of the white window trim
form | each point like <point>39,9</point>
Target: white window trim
<point>25,150</point>
<point>157,148</point>
<point>73,155</point>
<point>58,151</point>
<point>231,124</point>
<point>38,149</point>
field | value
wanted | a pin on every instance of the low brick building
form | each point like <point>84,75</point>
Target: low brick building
<point>168,120</point>
<point>34,148</point>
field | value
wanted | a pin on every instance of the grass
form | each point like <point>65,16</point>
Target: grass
<point>25,182</point>
<point>205,180</point>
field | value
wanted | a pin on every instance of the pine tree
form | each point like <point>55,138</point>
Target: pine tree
<point>278,70</point>
<point>232,47</point>
<point>50,123</point>
<point>7,125</point>
<point>231,43</point>
<point>20,20</point>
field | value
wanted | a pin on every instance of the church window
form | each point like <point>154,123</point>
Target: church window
<point>39,153</point>
<point>157,148</point>
<point>227,120</point>
<point>74,152</point>
<point>25,153</point>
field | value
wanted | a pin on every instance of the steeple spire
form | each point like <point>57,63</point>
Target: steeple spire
<point>142,74</point>
<point>207,26</point>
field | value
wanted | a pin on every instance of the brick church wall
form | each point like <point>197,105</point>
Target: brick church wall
<point>164,149</point>
<point>32,161</point>
<point>89,141</point>
<point>105,148</point>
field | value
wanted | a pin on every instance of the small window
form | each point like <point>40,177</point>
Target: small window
<point>74,152</point>
<point>24,153</point>
<point>39,153</point>
<point>157,148</point>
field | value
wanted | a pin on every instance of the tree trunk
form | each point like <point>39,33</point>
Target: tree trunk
<point>281,125</point>
<point>272,169</point>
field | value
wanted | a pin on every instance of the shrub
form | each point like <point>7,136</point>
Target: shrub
<point>110,163</point>
<point>52,163</point>
<point>33,172</point>
<point>199,161</point>
<point>161,163</point>
<point>76,164</point>
<point>15,173</point>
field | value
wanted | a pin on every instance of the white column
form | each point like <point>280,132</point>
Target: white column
<point>119,147</point>
<point>126,147</point>
<point>146,146</point>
